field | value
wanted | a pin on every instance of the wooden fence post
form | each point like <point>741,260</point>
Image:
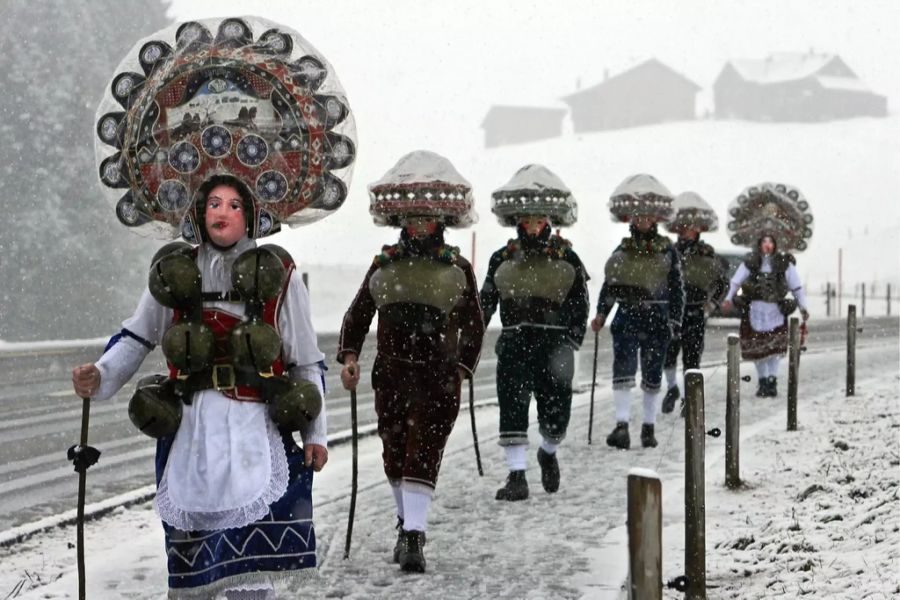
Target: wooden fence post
<point>828,299</point>
<point>694,486</point>
<point>851,350</point>
<point>305,277</point>
<point>733,414</point>
<point>888,299</point>
<point>793,373</point>
<point>645,534</point>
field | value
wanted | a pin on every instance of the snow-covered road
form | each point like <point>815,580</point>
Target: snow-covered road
<point>571,544</point>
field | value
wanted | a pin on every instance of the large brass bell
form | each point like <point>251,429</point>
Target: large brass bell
<point>155,408</point>
<point>258,274</point>
<point>189,346</point>
<point>171,248</point>
<point>297,406</point>
<point>254,345</point>
<point>175,280</point>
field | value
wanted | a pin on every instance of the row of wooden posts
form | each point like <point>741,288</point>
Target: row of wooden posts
<point>645,489</point>
<point>832,295</point>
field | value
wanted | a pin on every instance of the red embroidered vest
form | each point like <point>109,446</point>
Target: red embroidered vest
<point>222,323</point>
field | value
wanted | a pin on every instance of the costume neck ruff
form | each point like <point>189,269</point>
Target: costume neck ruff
<point>774,209</point>
<point>255,102</point>
<point>422,184</point>
<point>534,190</point>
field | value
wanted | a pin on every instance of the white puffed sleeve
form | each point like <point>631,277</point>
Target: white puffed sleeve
<point>740,276</point>
<point>140,334</point>
<point>301,351</point>
<point>796,287</point>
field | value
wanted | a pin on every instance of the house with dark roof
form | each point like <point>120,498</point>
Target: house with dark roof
<point>650,92</point>
<point>793,87</point>
<point>519,124</point>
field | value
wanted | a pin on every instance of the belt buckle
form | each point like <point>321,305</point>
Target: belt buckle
<point>227,374</point>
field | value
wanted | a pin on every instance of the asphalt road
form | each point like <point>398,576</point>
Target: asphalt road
<point>40,416</point>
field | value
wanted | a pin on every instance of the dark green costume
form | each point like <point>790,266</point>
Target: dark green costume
<point>541,288</point>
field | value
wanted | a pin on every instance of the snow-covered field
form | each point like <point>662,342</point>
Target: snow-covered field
<point>781,536</point>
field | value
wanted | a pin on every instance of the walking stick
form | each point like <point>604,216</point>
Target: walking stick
<point>354,426</point>
<point>82,456</point>
<point>593,387</point>
<point>474,430</point>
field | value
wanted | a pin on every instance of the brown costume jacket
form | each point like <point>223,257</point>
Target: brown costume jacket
<point>456,342</point>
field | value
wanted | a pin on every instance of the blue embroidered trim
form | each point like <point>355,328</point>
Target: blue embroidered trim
<point>125,333</point>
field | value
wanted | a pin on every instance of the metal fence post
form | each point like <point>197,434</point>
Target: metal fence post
<point>828,299</point>
<point>733,414</point>
<point>695,486</point>
<point>851,350</point>
<point>645,534</point>
<point>793,373</point>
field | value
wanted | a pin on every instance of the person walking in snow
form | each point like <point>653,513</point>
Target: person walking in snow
<point>540,285</point>
<point>430,329</point>
<point>234,490</point>
<point>705,284</point>
<point>643,276</point>
<point>772,218</point>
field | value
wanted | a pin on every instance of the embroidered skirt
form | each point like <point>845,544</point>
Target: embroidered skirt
<point>757,345</point>
<point>280,546</point>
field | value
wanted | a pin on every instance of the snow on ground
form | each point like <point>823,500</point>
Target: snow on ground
<point>762,541</point>
<point>819,512</point>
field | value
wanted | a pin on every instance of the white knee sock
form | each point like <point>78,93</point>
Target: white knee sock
<point>622,400</point>
<point>548,446</point>
<point>762,369</point>
<point>774,362</point>
<point>415,504</point>
<point>651,405</point>
<point>516,457</point>
<point>398,499</point>
<point>672,377</point>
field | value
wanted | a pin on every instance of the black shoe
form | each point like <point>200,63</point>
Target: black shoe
<point>516,487</point>
<point>668,403</point>
<point>619,437</point>
<point>412,558</point>
<point>772,385</point>
<point>549,470</point>
<point>762,388</point>
<point>648,440</point>
<point>399,543</point>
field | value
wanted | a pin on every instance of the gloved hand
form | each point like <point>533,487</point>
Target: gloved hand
<point>805,314</point>
<point>674,331</point>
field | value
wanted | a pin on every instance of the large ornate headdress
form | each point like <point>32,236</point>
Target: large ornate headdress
<point>422,184</point>
<point>640,195</point>
<point>775,209</point>
<point>534,190</point>
<point>692,212</point>
<point>242,97</point>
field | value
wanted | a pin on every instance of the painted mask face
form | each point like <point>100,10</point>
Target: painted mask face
<point>420,227</point>
<point>225,220</point>
<point>534,225</point>
<point>767,245</point>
